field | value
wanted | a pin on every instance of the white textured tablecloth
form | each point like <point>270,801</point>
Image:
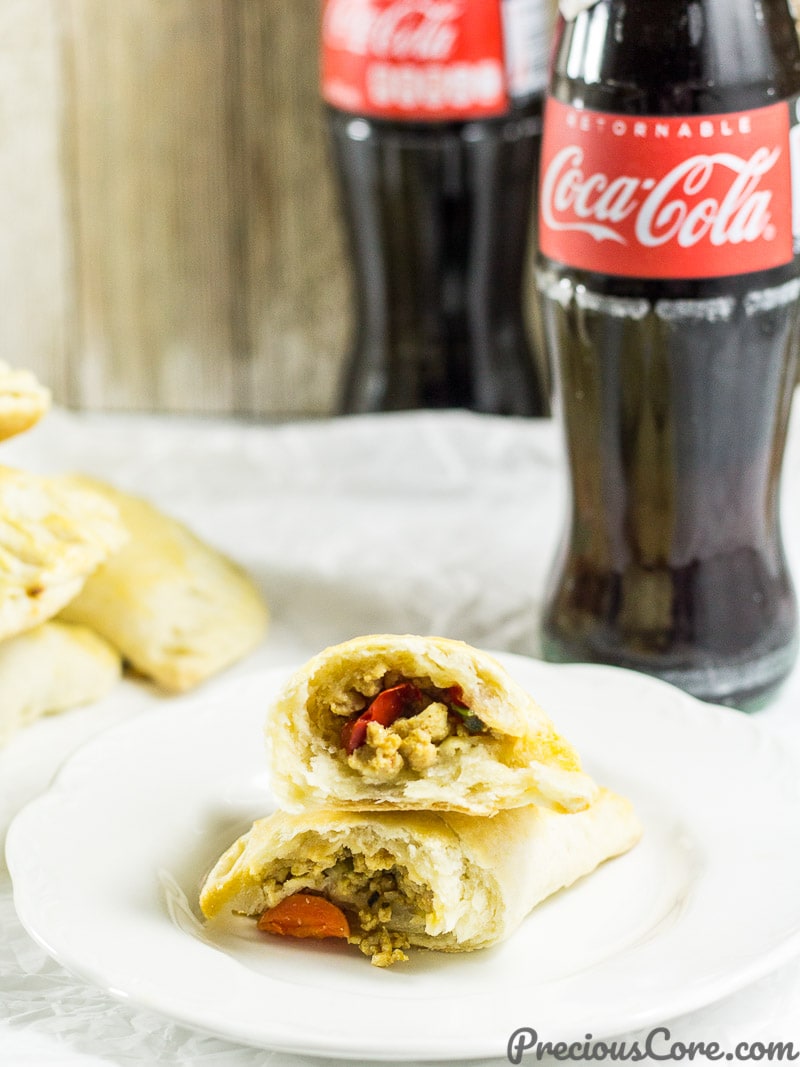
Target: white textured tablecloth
<point>429,523</point>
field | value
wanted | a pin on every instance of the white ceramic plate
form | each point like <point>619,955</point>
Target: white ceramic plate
<point>107,865</point>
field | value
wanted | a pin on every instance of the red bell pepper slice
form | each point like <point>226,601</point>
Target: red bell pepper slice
<point>454,696</point>
<point>399,701</point>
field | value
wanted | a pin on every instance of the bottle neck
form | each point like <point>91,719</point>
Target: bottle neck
<point>678,56</point>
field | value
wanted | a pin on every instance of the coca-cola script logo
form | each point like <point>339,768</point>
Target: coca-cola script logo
<point>674,209</point>
<point>674,198</point>
<point>414,59</point>
<point>403,29</point>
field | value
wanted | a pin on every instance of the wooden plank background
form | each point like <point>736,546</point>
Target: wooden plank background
<point>170,230</point>
<point>36,299</point>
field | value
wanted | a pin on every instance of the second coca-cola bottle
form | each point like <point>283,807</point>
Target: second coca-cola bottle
<point>670,287</point>
<point>434,109</point>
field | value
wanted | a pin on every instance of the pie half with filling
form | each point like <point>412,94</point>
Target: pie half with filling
<point>386,881</point>
<point>389,721</point>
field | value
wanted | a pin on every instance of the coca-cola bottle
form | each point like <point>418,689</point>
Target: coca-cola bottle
<point>670,301</point>
<point>434,110</point>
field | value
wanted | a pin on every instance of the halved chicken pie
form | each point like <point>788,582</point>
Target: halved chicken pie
<point>389,721</point>
<point>389,880</point>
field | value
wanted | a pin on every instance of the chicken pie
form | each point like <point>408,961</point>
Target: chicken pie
<point>178,610</point>
<point>52,668</point>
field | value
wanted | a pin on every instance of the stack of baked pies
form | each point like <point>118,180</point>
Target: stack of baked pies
<point>91,578</point>
<point>427,800</point>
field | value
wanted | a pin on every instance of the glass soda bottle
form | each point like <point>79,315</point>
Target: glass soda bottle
<point>434,111</point>
<point>669,279</point>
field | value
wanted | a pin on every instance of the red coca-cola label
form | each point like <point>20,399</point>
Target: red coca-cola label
<point>414,59</point>
<point>690,197</point>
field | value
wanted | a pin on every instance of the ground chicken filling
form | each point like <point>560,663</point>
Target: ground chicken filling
<point>405,724</point>
<point>382,905</point>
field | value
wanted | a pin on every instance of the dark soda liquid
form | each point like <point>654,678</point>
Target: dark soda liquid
<point>675,430</point>
<point>675,395</point>
<point>438,218</point>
